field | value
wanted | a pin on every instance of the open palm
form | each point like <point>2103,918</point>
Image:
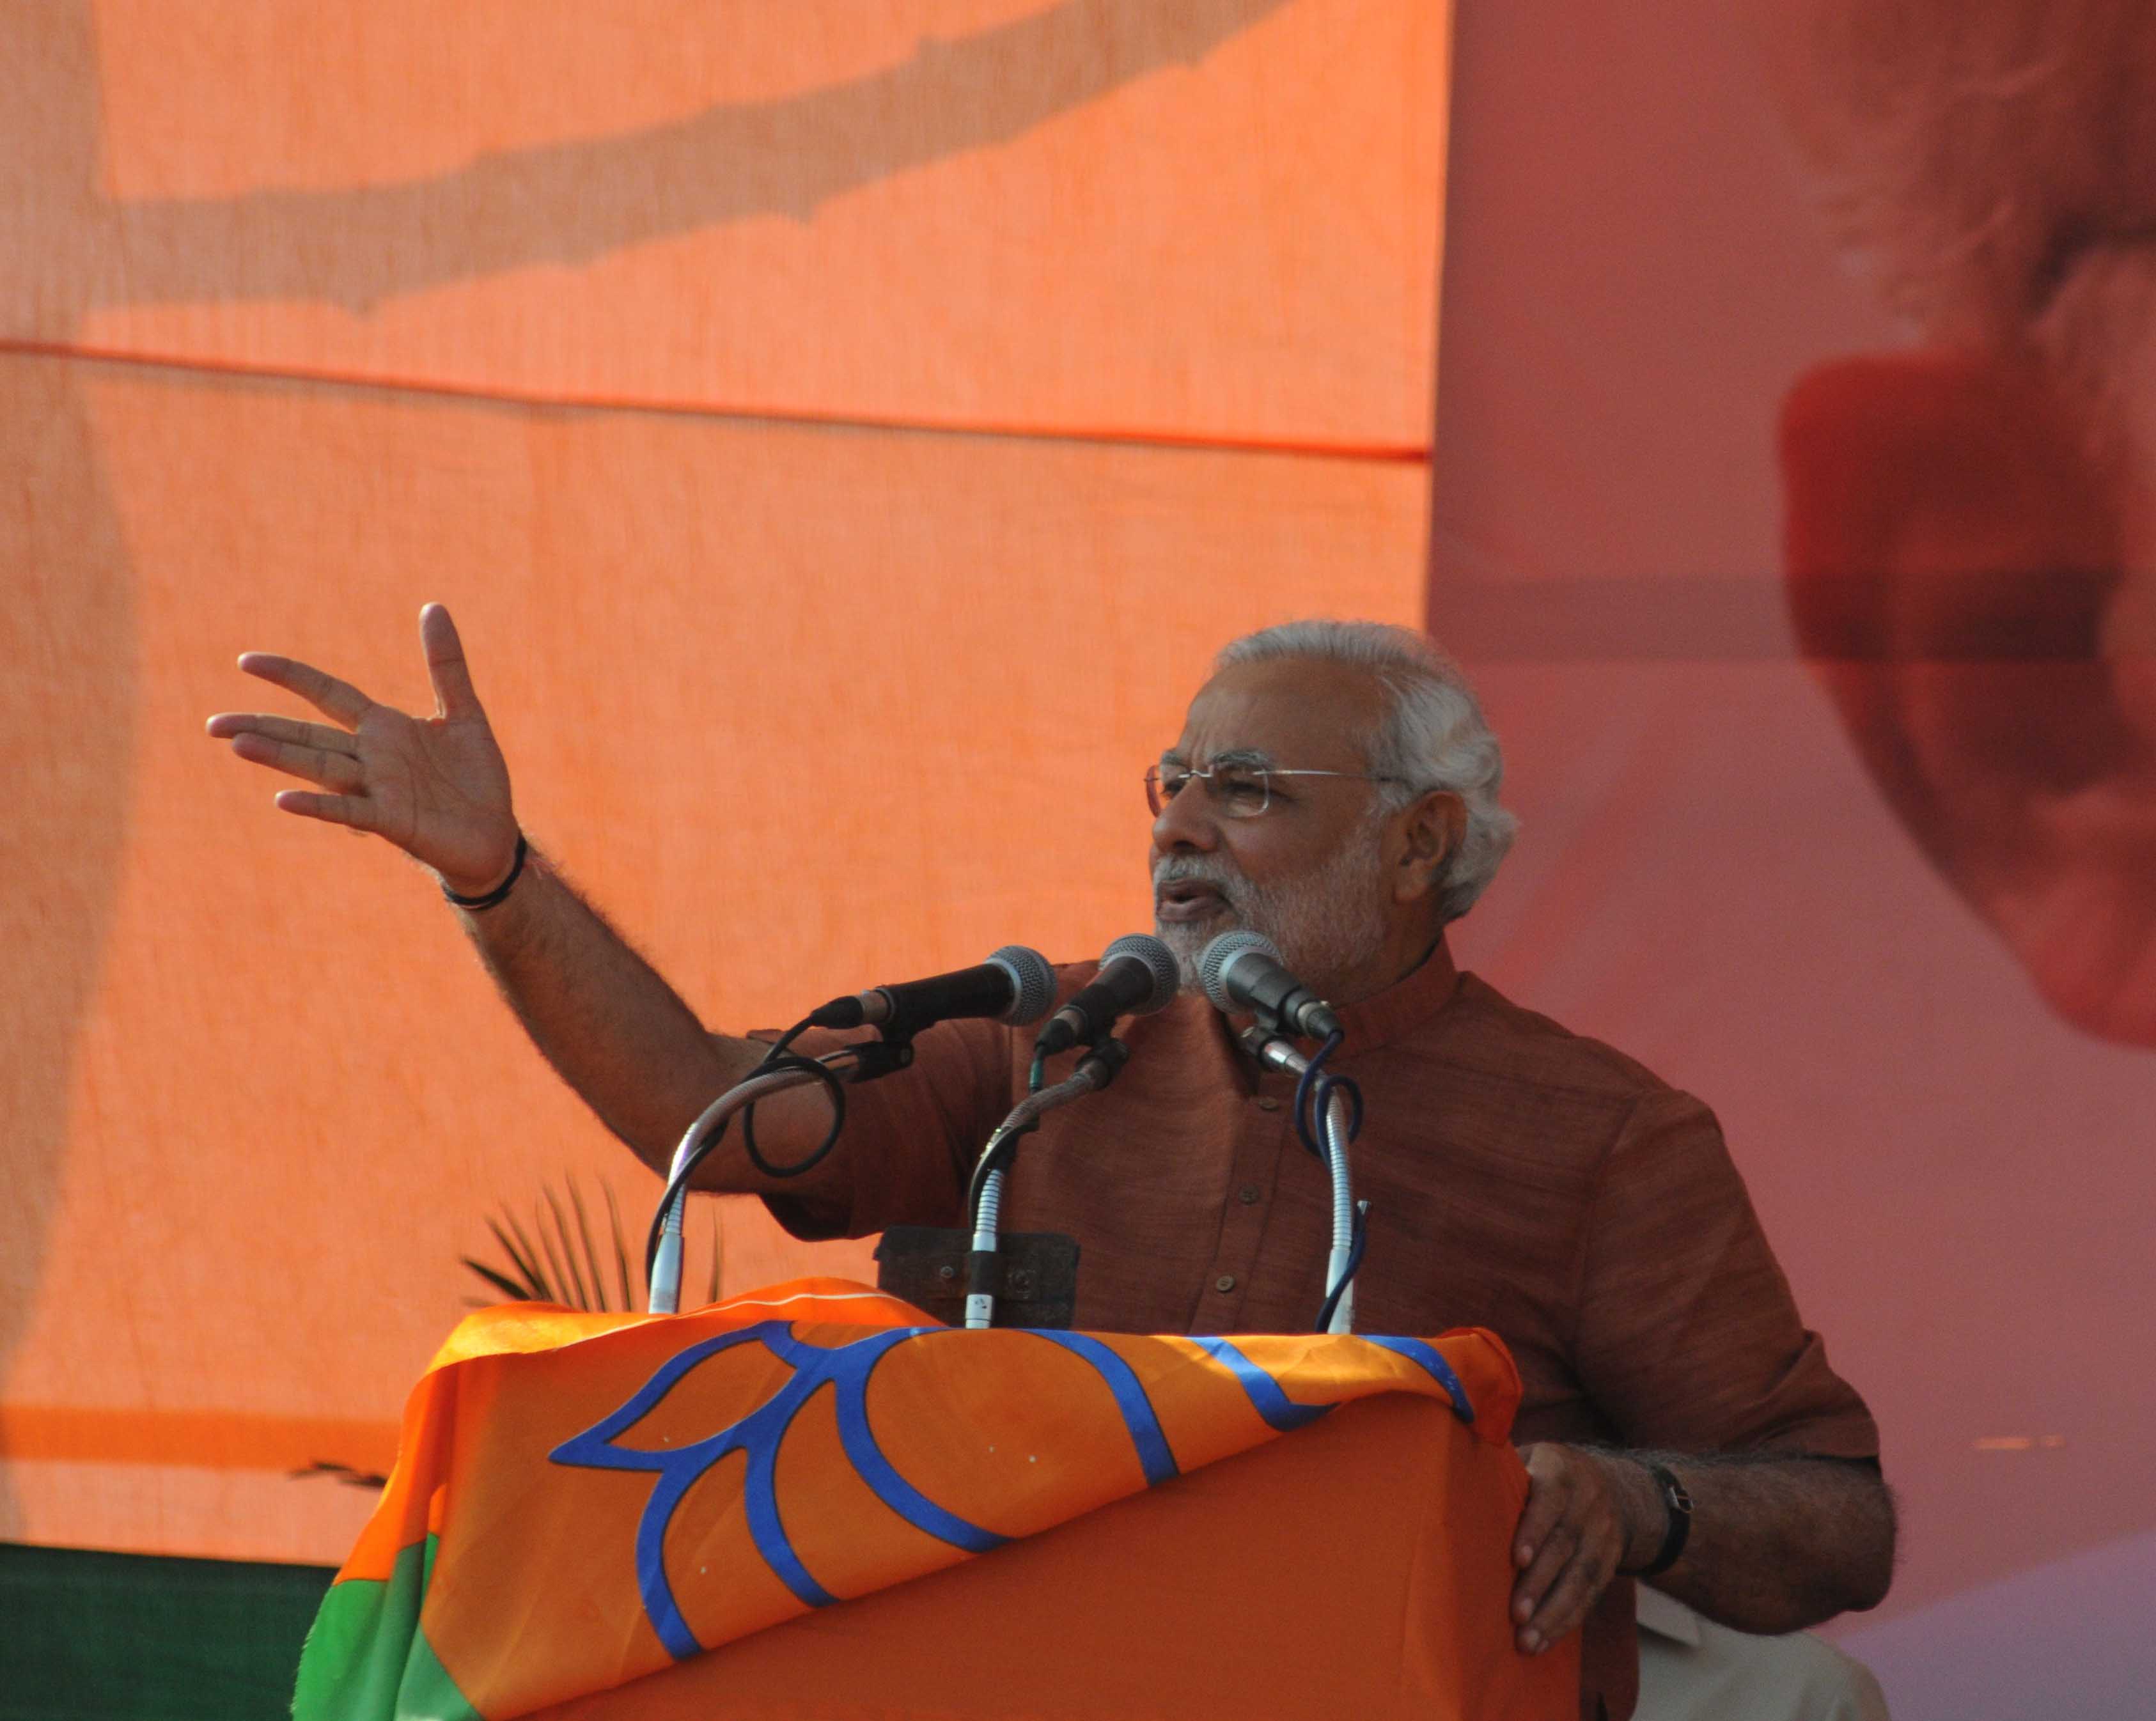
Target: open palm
<point>435,787</point>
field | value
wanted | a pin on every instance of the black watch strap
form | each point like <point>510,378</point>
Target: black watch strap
<point>1678,1504</point>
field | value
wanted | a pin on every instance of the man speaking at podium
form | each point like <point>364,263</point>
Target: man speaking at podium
<point>1335,789</point>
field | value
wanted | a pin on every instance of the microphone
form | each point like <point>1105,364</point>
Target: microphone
<point>1015,985</point>
<point>1137,977</point>
<point>1241,971</point>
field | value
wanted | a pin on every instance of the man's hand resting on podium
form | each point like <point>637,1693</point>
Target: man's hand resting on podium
<point>1777,1542</point>
<point>438,789</point>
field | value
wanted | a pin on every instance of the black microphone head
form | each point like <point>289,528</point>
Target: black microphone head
<point>1213,960</point>
<point>1033,983</point>
<point>1160,962</point>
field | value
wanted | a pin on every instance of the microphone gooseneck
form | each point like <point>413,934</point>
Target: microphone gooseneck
<point>1339,1107</point>
<point>984,1192</point>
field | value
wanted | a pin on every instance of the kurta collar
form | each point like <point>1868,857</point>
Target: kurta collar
<point>1404,1005</point>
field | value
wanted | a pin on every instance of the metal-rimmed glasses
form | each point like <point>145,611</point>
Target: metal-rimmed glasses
<point>1236,790</point>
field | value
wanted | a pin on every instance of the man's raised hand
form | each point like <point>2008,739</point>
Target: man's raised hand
<point>435,787</point>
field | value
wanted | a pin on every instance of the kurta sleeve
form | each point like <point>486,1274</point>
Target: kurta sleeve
<point>1689,1338</point>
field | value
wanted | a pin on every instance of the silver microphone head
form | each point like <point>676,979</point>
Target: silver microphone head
<point>1158,959</point>
<point>1033,983</point>
<point>1213,960</point>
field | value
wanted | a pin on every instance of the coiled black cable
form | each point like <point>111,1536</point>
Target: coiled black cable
<point>779,1058</point>
<point>1314,1094</point>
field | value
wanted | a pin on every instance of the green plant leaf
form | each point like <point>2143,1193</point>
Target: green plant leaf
<point>508,1287</point>
<point>574,1276</point>
<point>521,1252</point>
<point>620,1249</point>
<point>566,1266</point>
<point>591,1254</point>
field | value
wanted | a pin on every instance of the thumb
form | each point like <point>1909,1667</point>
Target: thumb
<point>446,664</point>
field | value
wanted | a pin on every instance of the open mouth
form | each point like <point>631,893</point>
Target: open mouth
<point>1182,901</point>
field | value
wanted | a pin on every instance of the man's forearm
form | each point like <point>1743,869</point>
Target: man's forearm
<point>602,1016</point>
<point>1777,1542</point>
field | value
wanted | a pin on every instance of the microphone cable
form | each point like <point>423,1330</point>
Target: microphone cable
<point>1307,1120</point>
<point>1347,1273</point>
<point>1314,1092</point>
<point>780,1057</point>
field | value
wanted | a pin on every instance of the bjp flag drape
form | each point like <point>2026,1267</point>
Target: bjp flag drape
<point>584,1505</point>
<point>843,432</point>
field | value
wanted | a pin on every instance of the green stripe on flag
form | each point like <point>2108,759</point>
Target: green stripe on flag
<point>366,1658</point>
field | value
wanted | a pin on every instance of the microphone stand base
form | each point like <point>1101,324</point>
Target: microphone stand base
<point>926,1265</point>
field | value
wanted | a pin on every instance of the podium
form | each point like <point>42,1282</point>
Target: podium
<point>809,1502</point>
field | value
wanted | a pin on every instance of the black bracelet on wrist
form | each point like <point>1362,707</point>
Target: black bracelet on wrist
<point>475,905</point>
<point>1678,1504</point>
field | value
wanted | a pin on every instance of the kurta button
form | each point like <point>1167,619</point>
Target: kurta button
<point>1248,1195</point>
<point>1269,1103</point>
<point>1226,1281</point>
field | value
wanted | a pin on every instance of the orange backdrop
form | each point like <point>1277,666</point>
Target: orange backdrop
<point>843,433</point>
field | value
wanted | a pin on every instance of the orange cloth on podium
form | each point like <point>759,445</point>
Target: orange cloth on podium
<point>606,1515</point>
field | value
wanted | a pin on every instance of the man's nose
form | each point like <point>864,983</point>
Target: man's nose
<point>1186,823</point>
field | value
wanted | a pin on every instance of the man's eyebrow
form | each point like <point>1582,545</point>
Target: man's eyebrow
<point>1256,758</point>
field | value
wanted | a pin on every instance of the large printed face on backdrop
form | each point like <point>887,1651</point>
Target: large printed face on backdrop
<point>1972,524</point>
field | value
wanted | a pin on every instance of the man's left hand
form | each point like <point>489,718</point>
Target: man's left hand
<point>1580,1517</point>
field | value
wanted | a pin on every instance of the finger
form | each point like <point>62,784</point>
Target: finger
<point>228,726</point>
<point>355,811</point>
<point>1531,1593</point>
<point>445,662</point>
<point>1569,1598</point>
<point>333,771</point>
<point>335,699</point>
<point>1549,1490</point>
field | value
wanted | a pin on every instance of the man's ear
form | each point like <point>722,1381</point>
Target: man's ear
<point>1431,829</point>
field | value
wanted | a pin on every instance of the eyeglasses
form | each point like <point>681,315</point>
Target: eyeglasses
<point>1236,791</point>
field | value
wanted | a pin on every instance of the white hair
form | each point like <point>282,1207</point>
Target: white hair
<point>1967,150</point>
<point>1433,736</point>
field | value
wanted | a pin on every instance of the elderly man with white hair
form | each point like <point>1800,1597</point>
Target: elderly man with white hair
<point>1335,789</point>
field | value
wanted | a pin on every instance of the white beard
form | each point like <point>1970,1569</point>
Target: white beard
<point>1326,924</point>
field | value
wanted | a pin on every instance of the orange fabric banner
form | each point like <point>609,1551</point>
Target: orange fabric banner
<point>583,1501</point>
<point>814,415</point>
<point>1216,220</point>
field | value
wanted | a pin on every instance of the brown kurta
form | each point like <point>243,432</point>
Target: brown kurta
<point>1520,1178</point>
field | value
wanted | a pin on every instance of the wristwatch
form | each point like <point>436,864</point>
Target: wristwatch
<point>1678,1504</point>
